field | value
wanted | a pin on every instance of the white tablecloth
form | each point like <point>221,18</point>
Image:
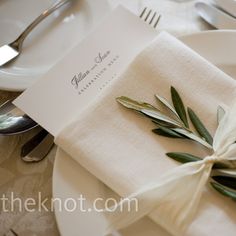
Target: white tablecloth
<point>27,180</point>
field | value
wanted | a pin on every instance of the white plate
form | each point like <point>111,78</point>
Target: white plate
<point>49,41</point>
<point>70,180</point>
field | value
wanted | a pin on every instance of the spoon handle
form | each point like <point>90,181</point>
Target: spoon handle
<point>19,41</point>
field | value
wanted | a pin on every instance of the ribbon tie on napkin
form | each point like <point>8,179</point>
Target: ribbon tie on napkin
<point>179,209</point>
<point>117,146</point>
<point>211,159</point>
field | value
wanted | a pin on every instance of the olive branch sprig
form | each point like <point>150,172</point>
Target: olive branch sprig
<point>174,122</point>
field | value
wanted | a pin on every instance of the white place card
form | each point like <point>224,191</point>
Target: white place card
<point>82,74</point>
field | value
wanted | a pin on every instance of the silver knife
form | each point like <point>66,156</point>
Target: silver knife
<point>214,16</point>
<point>35,149</point>
<point>227,5</point>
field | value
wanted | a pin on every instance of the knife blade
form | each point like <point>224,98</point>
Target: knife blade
<point>227,5</point>
<point>215,16</point>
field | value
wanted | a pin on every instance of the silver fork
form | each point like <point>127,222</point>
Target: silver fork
<point>150,16</point>
<point>12,50</point>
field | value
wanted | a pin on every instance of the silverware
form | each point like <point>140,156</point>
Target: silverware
<point>13,120</point>
<point>13,50</point>
<point>37,148</point>
<point>227,5</point>
<point>11,232</point>
<point>215,17</point>
<point>152,18</point>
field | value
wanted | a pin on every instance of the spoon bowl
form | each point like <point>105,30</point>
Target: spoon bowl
<point>13,120</point>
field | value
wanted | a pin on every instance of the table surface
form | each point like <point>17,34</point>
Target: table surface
<point>25,180</point>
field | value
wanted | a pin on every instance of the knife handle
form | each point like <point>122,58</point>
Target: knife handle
<point>33,142</point>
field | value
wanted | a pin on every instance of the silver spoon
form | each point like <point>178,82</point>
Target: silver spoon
<point>10,51</point>
<point>13,120</point>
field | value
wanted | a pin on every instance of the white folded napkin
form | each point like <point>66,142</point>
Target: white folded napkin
<point>118,147</point>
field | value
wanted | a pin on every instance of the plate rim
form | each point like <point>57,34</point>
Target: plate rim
<point>13,82</point>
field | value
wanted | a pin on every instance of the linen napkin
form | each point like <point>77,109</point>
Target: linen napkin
<point>116,145</point>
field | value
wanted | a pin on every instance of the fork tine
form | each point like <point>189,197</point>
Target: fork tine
<point>142,13</point>
<point>150,11</point>
<point>157,21</point>
<point>152,18</point>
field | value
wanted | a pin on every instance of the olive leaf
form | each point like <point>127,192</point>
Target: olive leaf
<point>183,157</point>
<point>220,165</point>
<point>227,181</point>
<point>220,114</point>
<point>192,136</point>
<point>178,127</point>
<point>166,132</point>
<point>200,128</point>
<point>163,124</point>
<point>224,190</point>
<point>167,105</point>
<point>157,115</point>
<point>134,105</point>
<point>179,106</point>
<point>186,157</point>
<point>227,172</point>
